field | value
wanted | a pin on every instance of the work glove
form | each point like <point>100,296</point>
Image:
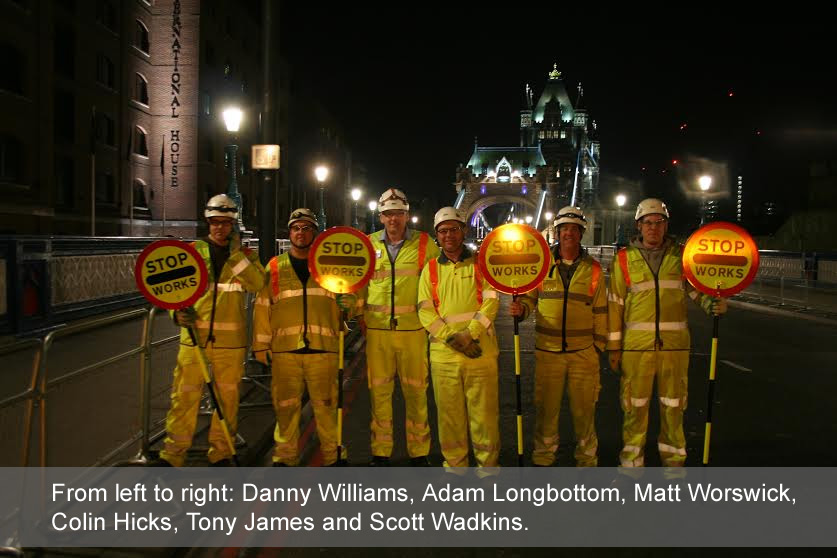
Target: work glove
<point>613,358</point>
<point>517,309</point>
<point>719,306</point>
<point>262,356</point>
<point>186,317</point>
<point>346,302</point>
<point>459,341</point>
<point>235,242</point>
<point>473,350</point>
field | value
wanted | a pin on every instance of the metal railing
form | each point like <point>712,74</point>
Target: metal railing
<point>35,396</point>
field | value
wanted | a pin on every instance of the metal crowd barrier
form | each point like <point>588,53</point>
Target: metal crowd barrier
<point>35,395</point>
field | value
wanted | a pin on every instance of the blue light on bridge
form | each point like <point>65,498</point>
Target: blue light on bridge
<point>524,190</point>
<point>482,189</point>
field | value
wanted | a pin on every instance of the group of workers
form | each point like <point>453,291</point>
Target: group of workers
<point>427,313</point>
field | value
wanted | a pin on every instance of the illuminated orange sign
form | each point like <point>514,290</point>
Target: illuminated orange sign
<point>720,259</point>
<point>514,258</point>
<point>342,260</point>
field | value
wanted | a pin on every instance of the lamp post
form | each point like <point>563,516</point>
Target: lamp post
<point>356,193</point>
<point>621,199</point>
<point>373,205</point>
<point>232,121</point>
<point>705,183</point>
<point>548,216</point>
<point>321,172</point>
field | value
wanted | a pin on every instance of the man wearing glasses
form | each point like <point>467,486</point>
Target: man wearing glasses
<point>649,336</point>
<point>457,307</point>
<point>221,323</point>
<point>296,330</point>
<point>395,338</point>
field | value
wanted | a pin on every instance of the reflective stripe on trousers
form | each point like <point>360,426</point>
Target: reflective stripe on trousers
<point>580,372</point>
<point>181,419</point>
<point>639,369</point>
<point>292,373</point>
<point>466,395</point>
<point>404,352</point>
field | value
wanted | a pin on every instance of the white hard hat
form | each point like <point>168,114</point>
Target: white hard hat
<point>221,206</point>
<point>448,214</point>
<point>570,214</point>
<point>651,206</point>
<point>303,214</point>
<point>393,199</point>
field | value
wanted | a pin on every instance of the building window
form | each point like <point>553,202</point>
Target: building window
<point>11,155</point>
<point>140,89</point>
<point>105,188</point>
<point>11,68</point>
<point>141,37</point>
<point>64,115</point>
<point>139,198</point>
<point>64,52</point>
<point>105,71</point>
<point>563,134</point>
<point>228,69</point>
<point>209,53</point>
<point>106,14</point>
<point>541,134</point>
<point>140,143</point>
<point>65,182</point>
<point>105,129</point>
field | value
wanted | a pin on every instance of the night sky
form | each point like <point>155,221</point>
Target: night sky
<point>413,90</point>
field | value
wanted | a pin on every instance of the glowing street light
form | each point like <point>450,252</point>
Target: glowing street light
<point>321,172</point>
<point>414,219</point>
<point>705,183</point>
<point>232,117</point>
<point>373,205</point>
<point>528,219</point>
<point>621,200</point>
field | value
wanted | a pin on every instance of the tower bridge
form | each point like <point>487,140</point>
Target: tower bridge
<point>555,164</point>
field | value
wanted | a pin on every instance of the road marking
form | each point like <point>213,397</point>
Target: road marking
<point>736,366</point>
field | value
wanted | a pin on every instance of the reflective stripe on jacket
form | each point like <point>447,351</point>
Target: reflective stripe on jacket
<point>574,317</point>
<point>289,316</point>
<point>462,301</point>
<point>647,311</point>
<point>221,316</point>
<point>392,294</point>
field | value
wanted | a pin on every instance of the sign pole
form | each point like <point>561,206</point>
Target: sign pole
<point>340,359</point>
<point>209,379</point>
<point>342,261</point>
<point>514,259</point>
<point>719,260</point>
<point>711,391</point>
<point>517,388</point>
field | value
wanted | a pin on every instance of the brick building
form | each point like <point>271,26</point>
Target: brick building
<point>113,109</point>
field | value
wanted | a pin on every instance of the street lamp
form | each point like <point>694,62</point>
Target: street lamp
<point>356,193</point>
<point>705,183</point>
<point>528,219</point>
<point>621,199</point>
<point>548,215</point>
<point>373,205</point>
<point>232,121</point>
<point>414,219</point>
<point>321,172</point>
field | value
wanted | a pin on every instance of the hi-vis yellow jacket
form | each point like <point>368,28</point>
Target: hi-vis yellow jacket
<point>289,316</point>
<point>574,317</point>
<point>453,297</point>
<point>392,294</point>
<point>221,315</point>
<point>647,311</point>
